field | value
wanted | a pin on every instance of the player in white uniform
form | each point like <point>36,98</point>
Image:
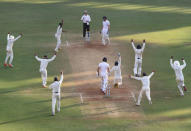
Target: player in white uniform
<point>138,58</point>
<point>86,19</point>
<point>103,70</point>
<point>10,42</point>
<point>117,72</point>
<point>145,87</point>
<point>179,75</point>
<point>43,65</point>
<point>58,35</point>
<point>55,86</point>
<point>105,31</point>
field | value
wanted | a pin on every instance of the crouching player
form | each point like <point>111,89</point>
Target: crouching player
<point>117,72</point>
<point>145,87</point>
<point>55,86</point>
<point>179,75</point>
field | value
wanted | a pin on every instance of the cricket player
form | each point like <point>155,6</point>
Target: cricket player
<point>103,71</point>
<point>86,19</point>
<point>117,72</point>
<point>105,31</point>
<point>58,36</point>
<point>179,75</point>
<point>55,86</point>
<point>10,42</point>
<point>145,87</point>
<point>138,58</point>
<point>43,65</point>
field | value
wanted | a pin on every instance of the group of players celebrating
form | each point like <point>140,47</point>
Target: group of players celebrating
<point>103,70</point>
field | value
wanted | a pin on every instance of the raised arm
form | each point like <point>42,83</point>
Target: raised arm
<point>17,37</point>
<point>61,78</point>
<point>132,43</point>
<point>119,61</point>
<point>38,59</point>
<point>151,74</point>
<point>184,63</point>
<point>171,62</point>
<point>8,35</point>
<point>143,45</point>
<point>51,59</point>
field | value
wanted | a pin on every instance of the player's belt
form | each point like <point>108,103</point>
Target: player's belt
<point>56,92</point>
<point>138,58</point>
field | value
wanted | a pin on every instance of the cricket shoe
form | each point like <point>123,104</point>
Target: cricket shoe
<point>10,65</point>
<point>5,65</point>
<point>138,104</point>
<point>150,102</point>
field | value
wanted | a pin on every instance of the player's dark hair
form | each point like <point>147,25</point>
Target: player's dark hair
<point>116,63</point>
<point>45,56</point>
<point>105,59</point>
<point>104,17</point>
<point>60,24</point>
<point>138,46</point>
<point>55,79</point>
<point>144,74</point>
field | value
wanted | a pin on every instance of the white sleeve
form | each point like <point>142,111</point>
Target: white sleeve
<point>143,47</point>
<point>61,79</point>
<point>184,64</point>
<point>132,43</point>
<point>112,69</point>
<point>38,59</point>
<point>171,63</point>
<point>17,37</point>
<point>51,59</point>
<point>136,78</point>
<point>82,18</point>
<point>151,74</point>
<point>51,86</point>
<point>119,61</point>
<point>8,35</point>
<point>108,23</point>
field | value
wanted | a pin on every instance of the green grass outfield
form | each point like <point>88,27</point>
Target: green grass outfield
<point>25,106</point>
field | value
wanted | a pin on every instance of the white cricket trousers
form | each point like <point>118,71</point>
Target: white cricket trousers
<point>44,77</point>
<point>104,82</point>
<point>137,67</point>
<point>147,92</point>
<point>105,37</point>
<point>55,98</point>
<point>9,54</point>
<point>180,84</point>
<point>58,43</point>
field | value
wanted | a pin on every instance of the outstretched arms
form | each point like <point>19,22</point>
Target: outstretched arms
<point>8,35</point>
